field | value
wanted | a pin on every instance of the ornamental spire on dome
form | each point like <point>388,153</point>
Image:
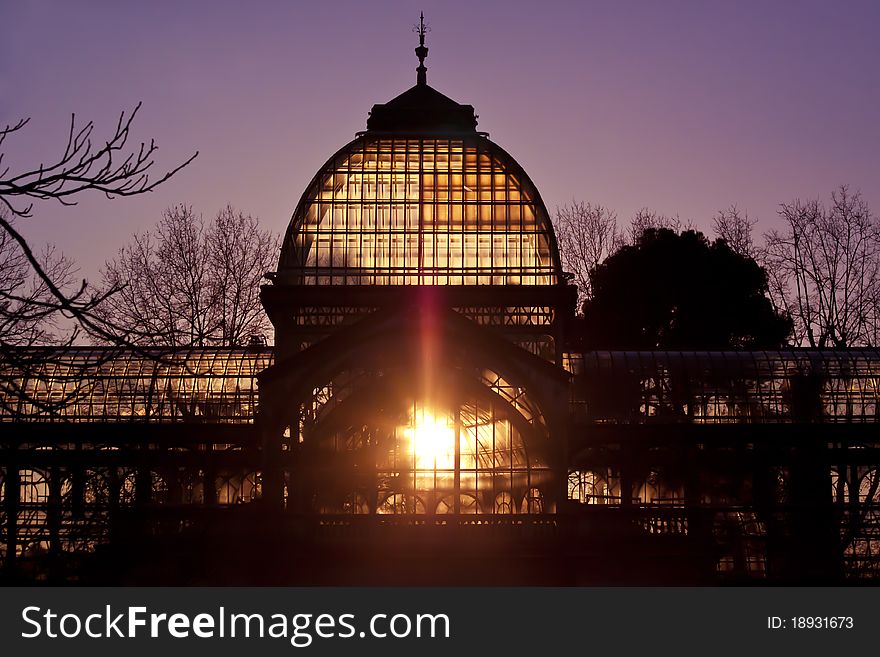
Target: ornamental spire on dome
<point>422,50</point>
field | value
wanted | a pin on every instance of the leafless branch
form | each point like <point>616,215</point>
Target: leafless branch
<point>647,218</point>
<point>83,166</point>
<point>587,234</point>
<point>37,291</point>
<point>190,283</point>
<point>824,269</point>
<point>735,227</point>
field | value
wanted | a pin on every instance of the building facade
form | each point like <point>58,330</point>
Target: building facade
<point>424,417</point>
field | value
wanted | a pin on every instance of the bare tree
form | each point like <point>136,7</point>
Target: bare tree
<point>735,227</point>
<point>188,283</point>
<point>30,317</point>
<point>824,270</point>
<point>104,167</point>
<point>161,281</point>
<point>240,253</point>
<point>586,234</point>
<point>27,310</point>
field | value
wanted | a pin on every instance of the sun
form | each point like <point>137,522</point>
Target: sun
<point>431,438</point>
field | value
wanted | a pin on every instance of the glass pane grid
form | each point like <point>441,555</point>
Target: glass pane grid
<point>421,212</point>
<point>93,385</point>
<point>725,387</point>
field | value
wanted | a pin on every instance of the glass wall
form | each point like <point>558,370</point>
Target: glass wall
<point>732,387</point>
<point>471,460</point>
<point>217,385</point>
<point>380,450</point>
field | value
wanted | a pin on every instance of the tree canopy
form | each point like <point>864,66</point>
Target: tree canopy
<point>670,290</point>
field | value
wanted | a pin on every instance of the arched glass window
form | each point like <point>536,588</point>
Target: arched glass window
<point>418,459</point>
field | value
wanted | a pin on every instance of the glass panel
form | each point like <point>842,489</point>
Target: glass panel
<point>214,385</point>
<point>423,193</point>
<point>473,460</point>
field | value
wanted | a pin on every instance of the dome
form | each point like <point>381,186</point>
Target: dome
<point>420,198</point>
<point>420,209</point>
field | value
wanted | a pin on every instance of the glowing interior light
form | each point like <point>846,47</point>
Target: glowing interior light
<point>431,439</point>
<point>421,212</point>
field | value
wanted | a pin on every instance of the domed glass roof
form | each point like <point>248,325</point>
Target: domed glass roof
<point>420,198</point>
<point>403,209</point>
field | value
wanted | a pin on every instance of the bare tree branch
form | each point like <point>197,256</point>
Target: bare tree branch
<point>188,283</point>
<point>824,270</point>
<point>82,167</point>
<point>37,291</point>
<point>735,228</point>
<point>587,234</point>
<point>647,218</point>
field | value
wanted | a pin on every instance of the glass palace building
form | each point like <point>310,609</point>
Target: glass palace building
<point>424,418</point>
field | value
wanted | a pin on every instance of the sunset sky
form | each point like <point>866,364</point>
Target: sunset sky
<point>683,107</point>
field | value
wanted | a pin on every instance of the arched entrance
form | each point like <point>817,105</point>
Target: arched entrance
<point>389,454</point>
<point>371,425</point>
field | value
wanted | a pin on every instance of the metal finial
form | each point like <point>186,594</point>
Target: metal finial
<point>422,51</point>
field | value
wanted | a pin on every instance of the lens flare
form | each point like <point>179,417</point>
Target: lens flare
<point>431,438</point>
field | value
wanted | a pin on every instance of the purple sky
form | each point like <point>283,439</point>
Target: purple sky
<point>684,107</point>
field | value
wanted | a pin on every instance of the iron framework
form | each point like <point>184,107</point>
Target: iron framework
<point>754,451</point>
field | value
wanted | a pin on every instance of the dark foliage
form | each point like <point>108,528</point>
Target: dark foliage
<point>673,290</point>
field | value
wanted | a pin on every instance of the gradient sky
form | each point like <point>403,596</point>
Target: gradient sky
<point>684,107</point>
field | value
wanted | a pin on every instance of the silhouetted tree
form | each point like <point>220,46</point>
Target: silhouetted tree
<point>586,234</point>
<point>824,270</point>
<point>673,290</point>
<point>735,227</point>
<point>240,253</point>
<point>188,283</point>
<point>647,218</point>
<point>27,309</point>
<point>106,167</point>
